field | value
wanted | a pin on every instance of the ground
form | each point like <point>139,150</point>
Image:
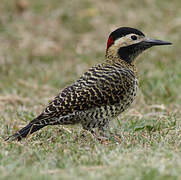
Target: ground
<point>46,45</point>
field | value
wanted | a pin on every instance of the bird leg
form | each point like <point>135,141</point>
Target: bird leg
<point>106,134</point>
<point>102,139</point>
<point>94,134</point>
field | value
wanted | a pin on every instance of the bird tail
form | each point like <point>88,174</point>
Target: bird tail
<point>32,127</point>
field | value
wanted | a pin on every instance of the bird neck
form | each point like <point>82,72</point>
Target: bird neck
<point>114,59</point>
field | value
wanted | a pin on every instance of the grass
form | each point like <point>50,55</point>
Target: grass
<point>45,46</point>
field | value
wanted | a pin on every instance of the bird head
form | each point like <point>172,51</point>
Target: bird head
<point>127,43</point>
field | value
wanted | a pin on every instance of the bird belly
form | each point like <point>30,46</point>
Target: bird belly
<point>127,100</point>
<point>95,117</point>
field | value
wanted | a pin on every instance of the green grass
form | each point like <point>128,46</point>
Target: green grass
<point>46,45</point>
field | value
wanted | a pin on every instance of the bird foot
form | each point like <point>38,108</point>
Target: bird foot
<point>106,139</point>
<point>109,140</point>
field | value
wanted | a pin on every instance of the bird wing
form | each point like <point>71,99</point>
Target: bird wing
<point>98,87</point>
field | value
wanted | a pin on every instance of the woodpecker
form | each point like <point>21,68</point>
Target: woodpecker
<point>101,93</point>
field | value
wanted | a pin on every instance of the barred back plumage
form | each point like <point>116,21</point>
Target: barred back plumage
<point>99,95</point>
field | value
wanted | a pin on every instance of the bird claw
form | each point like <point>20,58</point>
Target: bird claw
<point>107,139</point>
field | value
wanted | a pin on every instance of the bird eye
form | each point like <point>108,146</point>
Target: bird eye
<point>134,37</point>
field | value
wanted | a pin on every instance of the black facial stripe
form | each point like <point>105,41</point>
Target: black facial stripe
<point>127,53</point>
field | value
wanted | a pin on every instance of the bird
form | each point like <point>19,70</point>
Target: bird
<point>102,93</point>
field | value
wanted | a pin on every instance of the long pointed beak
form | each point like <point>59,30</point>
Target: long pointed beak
<point>155,42</point>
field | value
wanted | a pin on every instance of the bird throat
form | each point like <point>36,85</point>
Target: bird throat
<point>119,62</point>
<point>122,60</point>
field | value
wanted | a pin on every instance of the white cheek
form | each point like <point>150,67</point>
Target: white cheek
<point>125,42</point>
<point>122,42</point>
